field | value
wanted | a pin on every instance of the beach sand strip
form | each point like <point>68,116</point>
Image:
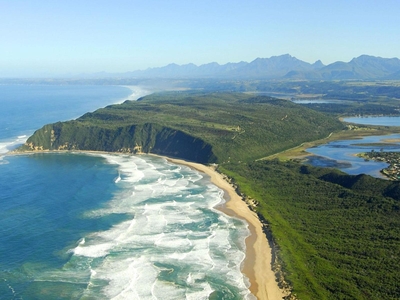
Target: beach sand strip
<point>257,264</point>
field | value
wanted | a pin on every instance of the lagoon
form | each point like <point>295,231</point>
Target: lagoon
<point>319,101</point>
<point>342,154</point>
<point>375,120</point>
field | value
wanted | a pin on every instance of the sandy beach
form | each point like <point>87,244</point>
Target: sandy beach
<point>257,264</point>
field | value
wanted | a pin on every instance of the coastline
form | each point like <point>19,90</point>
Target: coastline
<point>137,92</point>
<point>258,259</point>
<point>257,263</point>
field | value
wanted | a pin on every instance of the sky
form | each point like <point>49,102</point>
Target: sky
<point>56,37</point>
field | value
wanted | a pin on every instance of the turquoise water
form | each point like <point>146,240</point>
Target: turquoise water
<point>80,226</point>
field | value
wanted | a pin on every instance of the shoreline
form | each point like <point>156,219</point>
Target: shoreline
<point>257,263</point>
<point>136,92</point>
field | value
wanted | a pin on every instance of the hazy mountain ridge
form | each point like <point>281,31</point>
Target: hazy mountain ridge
<point>362,67</point>
<point>285,66</point>
<point>269,68</point>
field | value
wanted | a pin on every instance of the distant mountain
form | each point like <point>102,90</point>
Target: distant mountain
<point>285,66</point>
<point>362,67</point>
<point>189,70</point>
<point>276,66</point>
<point>393,76</point>
<point>266,68</point>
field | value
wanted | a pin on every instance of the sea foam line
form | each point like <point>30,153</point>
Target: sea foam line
<point>8,145</point>
<point>169,230</point>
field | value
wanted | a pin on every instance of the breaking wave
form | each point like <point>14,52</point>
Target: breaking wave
<point>173,245</point>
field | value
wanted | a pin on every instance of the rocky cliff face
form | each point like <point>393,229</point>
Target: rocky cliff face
<point>146,138</point>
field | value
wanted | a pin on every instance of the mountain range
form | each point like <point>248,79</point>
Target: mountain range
<point>285,66</point>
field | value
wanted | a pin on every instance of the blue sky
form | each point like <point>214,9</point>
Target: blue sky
<point>60,37</point>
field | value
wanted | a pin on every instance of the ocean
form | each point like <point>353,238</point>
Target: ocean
<point>105,226</point>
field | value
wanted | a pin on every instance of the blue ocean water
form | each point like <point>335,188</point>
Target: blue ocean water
<point>84,226</point>
<point>25,108</point>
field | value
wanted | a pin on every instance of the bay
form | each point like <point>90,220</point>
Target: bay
<point>81,226</point>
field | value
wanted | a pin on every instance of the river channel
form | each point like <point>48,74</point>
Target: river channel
<point>382,120</point>
<point>342,154</point>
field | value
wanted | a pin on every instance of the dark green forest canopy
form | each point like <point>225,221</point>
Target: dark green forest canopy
<point>338,235</point>
<point>235,126</point>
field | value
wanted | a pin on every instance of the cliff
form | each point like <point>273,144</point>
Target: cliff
<point>199,127</point>
<point>143,138</point>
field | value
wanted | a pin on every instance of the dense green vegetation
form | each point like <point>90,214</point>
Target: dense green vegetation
<point>337,235</point>
<point>231,127</point>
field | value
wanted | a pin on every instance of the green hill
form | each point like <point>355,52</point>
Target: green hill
<point>200,127</point>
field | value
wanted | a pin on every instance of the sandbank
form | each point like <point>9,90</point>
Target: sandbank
<point>391,140</point>
<point>257,264</point>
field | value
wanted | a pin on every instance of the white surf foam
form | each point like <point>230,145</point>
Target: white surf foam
<point>117,179</point>
<point>8,145</point>
<point>11,144</point>
<point>174,246</point>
